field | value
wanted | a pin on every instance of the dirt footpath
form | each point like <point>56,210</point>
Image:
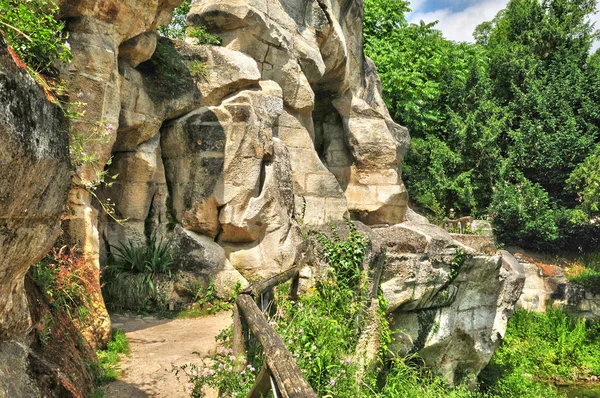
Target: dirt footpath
<point>158,344</point>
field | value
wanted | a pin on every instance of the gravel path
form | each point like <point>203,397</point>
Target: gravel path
<point>158,344</point>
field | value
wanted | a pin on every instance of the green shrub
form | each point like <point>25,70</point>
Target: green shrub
<point>522,214</point>
<point>108,368</point>
<point>130,278</point>
<point>31,29</point>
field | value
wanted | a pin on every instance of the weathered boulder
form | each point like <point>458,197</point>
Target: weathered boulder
<point>230,177</point>
<point>34,182</point>
<point>547,286</point>
<point>451,302</point>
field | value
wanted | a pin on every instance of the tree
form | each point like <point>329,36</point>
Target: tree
<point>510,118</point>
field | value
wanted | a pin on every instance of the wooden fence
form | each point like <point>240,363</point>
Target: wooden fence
<point>280,372</point>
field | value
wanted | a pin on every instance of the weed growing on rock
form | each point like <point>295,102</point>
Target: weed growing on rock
<point>457,264</point>
<point>202,37</point>
<point>65,279</point>
<point>31,29</point>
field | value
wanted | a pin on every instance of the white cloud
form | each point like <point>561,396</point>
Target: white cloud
<point>459,26</point>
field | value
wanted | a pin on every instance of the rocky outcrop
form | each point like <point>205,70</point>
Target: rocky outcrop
<point>34,181</point>
<point>547,286</point>
<point>344,148</point>
<point>449,302</point>
<point>238,143</point>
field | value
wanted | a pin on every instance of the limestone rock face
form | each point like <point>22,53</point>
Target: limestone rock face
<point>547,286</point>
<point>452,301</point>
<point>34,182</point>
<point>345,150</point>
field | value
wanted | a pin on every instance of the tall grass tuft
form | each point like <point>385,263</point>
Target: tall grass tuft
<point>131,277</point>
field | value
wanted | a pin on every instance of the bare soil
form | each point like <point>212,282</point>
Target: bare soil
<point>156,346</point>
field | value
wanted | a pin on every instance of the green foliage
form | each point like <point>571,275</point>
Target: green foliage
<point>542,347</point>
<point>64,278</point>
<point>522,214</point>
<point>108,368</point>
<point>129,280</point>
<point>459,260</point>
<point>224,371</point>
<point>585,179</point>
<point>202,37</point>
<point>198,69</point>
<point>176,29</point>
<point>31,29</point>
<point>523,98</point>
<point>345,257</point>
<point>586,272</point>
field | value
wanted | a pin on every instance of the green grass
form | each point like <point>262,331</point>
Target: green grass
<point>540,349</point>
<point>585,271</point>
<point>108,368</point>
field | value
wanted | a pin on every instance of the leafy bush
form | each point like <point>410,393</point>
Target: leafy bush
<point>585,179</point>
<point>522,214</point>
<point>31,29</point>
<point>525,94</point>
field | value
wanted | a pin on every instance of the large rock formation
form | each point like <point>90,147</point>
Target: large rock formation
<point>283,124</point>
<point>450,302</point>
<point>34,183</point>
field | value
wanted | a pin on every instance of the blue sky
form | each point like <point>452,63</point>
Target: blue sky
<point>458,18</point>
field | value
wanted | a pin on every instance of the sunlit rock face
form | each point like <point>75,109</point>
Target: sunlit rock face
<point>34,181</point>
<point>345,150</point>
<point>449,302</point>
<point>282,126</point>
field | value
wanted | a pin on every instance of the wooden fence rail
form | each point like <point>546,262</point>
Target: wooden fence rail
<point>280,372</point>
